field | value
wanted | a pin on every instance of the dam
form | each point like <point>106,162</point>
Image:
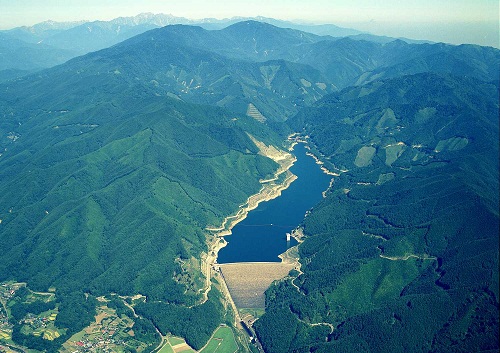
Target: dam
<point>247,281</point>
<point>250,262</point>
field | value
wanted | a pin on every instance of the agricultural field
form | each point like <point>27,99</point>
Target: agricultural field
<point>176,345</point>
<point>223,341</point>
<point>110,331</point>
<point>35,313</point>
<point>42,325</point>
<point>6,293</point>
<point>30,319</point>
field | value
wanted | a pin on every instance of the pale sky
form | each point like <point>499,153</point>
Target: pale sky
<point>453,21</point>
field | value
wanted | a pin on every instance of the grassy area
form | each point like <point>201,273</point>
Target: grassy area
<point>211,346</point>
<point>175,340</point>
<point>167,348</point>
<point>222,341</point>
<point>78,336</point>
<point>251,311</point>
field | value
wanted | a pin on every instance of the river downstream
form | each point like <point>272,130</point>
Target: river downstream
<point>261,236</point>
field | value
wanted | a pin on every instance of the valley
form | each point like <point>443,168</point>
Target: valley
<point>261,235</point>
<point>147,189</point>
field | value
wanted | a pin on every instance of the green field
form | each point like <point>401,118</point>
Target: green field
<point>167,348</point>
<point>175,340</point>
<point>251,311</point>
<point>222,341</point>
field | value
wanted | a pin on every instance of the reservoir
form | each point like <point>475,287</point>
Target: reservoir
<point>261,237</point>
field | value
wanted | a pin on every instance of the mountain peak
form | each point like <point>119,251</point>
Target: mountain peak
<point>52,25</point>
<point>268,32</point>
<point>150,18</point>
<point>251,24</point>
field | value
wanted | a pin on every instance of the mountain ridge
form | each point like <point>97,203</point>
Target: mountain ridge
<point>415,199</point>
<point>113,165</point>
<point>199,75</point>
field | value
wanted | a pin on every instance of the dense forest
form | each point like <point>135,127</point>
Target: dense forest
<point>113,164</point>
<point>114,197</point>
<point>197,323</point>
<point>402,254</point>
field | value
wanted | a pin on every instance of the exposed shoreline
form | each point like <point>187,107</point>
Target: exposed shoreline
<point>270,189</point>
<point>266,193</point>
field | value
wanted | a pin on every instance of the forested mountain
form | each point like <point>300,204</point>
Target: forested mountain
<point>114,163</point>
<point>320,30</point>
<point>462,60</point>
<point>44,45</point>
<point>96,35</point>
<point>343,59</point>
<point>402,255</point>
<point>275,70</point>
<point>132,173</point>
<point>107,186</point>
<point>342,62</point>
<point>165,62</point>
<point>50,43</point>
<point>25,57</point>
<point>114,196</point>
<point>347,62</point>
<point>41,31</point>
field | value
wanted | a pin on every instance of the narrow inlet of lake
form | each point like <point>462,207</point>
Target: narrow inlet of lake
<point>261,237</point>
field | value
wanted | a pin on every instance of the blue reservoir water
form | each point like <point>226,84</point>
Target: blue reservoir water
<point>261,237</point>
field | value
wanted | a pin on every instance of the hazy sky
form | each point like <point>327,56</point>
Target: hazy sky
<point>454,21</point>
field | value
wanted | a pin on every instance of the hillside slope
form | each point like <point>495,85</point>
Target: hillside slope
<point>113,164</point>
<point>107,188</point>
<point>25,56</point>
<point>402,255</point>
<point>164,64</point>
<point>131,174</point>
<point>340,61</point>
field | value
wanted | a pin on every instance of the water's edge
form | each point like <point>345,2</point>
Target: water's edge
<point>260,236</point>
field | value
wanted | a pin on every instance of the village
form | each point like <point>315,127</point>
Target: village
<point>109,333</point>
<point>7,292</point>
<point>41,325</point>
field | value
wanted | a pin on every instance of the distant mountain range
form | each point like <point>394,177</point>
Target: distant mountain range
<point>271,70</point>
<point>51,43</point>
<point>114,162</point>
<point>28,49</point>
